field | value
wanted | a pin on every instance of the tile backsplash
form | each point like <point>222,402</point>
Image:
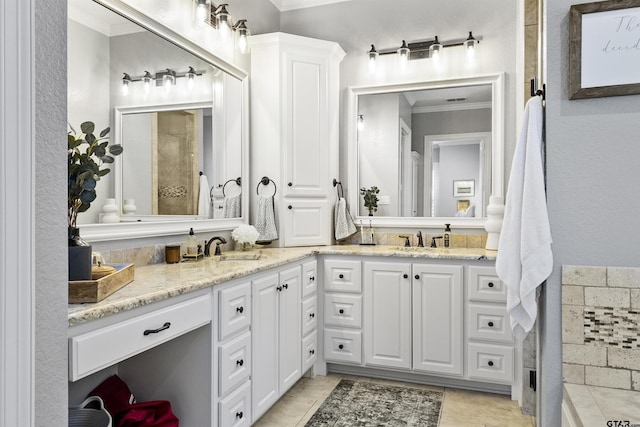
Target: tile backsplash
<point>601,326</point>
<point>394,239</point>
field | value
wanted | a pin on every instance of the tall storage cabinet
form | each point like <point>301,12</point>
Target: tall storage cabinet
<point>294,88</point>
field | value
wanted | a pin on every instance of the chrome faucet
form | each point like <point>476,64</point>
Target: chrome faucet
<point>218,251</point>
<point>420,241</point>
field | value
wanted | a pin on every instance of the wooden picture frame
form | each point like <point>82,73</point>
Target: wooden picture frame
<point>604,49</point>
<point>464,188</point>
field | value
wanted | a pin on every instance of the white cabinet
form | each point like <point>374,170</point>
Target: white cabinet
<point>294,127</point>
<point>437,319</point>
<point>387,314</point>
<point>309,315</point>
<point>276,336</point>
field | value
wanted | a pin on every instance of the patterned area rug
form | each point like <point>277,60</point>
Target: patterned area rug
<point>354,403</point>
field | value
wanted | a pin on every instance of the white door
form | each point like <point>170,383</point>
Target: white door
<point>290,358</point>
<point>264,339</point>
<point>437,319</point>
<point>387,314</point>
<point>306,222</point>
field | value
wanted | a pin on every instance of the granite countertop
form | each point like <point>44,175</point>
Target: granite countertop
<point>161,281</point>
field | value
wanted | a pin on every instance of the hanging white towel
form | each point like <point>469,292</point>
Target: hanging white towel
<point>266,219</point>
<point>204,200</point>
<point>344,226</point>
<point>231,207</point>
<point>524,257</point>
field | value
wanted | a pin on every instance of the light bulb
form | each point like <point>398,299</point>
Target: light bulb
<point>470,44</point>
<point>126,80</point>
<point>373,58</point>
<point>403,54</point>
<point>191,78</point>
<point>146,80</point>
<point>223,21</point>
<point>168,80</point>
<point>435,48</point>
<point>201,12</point>
<point>360,122</point>
<point>242,32</point>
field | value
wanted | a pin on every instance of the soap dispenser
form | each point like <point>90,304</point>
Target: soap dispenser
<point>447,235</point>
<point>192,243</point>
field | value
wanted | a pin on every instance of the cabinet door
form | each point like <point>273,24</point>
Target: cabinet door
<point>387,314</point>
<point>234,309</point>
<point>306,124</point>
<point>309,275</point>
<point>290,325</point>
<point>437,319</point>
<point>264,339</point>
<point>306,222</point>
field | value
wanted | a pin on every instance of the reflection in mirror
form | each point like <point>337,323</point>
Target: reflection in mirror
<point>433,149</point>
<point>146,88</point>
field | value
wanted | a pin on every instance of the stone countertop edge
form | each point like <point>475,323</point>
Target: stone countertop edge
<point>158,282</point>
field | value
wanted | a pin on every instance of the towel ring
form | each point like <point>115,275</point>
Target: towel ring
<point>340,191</point>
<point>238,181</point>
<point>265,181</point>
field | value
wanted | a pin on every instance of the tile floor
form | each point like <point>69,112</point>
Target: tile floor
<point>461,408</point>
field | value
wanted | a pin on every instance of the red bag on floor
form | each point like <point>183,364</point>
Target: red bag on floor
<point>126,412</point>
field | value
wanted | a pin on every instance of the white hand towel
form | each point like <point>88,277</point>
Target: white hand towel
<point>204,200</point>
<point>344,226</point>
<point>266,219</point>
<point>524,257</point>
<point>231,207</point>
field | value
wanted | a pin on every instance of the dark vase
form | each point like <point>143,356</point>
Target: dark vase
<point>79,256</point>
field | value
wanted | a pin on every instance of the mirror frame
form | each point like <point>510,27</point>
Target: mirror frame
<point>497,149</point>
<point>163,227</point>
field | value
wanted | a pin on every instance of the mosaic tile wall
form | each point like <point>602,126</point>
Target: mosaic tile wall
<point>601,326</point>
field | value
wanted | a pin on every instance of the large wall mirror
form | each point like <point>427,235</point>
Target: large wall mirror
<point>433,149</point>
<point>181,119</point>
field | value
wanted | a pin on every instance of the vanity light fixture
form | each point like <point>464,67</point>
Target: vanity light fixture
<point>191,78</point>
<point>202,11</point>
<point>126,81</point>
<point>218,17</point>
<point>242,32</point>
<point>422,49</point>
<point>222,21</point>
<point>167,79</point>
<point>360,121</point>
<point>147,78</point>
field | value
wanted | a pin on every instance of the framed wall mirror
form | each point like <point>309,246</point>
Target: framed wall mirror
<point>433,149</point>
<point>182,117</point>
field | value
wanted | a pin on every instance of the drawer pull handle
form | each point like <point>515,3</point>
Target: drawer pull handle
<point>155,331</point>
<point>239,362</point>
<point>240,309</point>
<point>341,276</point>
<point>341,346</point>
<point>417,276</point>
<point>341,311</point>
<point>490,363</point>
<point>286,286</point>
<point>312,315</point>
<point>490,324</point>
<point>406,276</point>
<point>239,415</point>
<point>490,284</point>
<point>312,352</point>
<point>312,278</point>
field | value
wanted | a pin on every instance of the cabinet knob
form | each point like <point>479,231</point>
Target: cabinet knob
<point>406,276</point>
<point>490,324</point>
<point>490,284</point>
<point>286,286</point>
<point>290,184</point>
<point>490,363</point>
<point>341,346</point>
<point>240,362</point>
<point>312,352</point>
<point>289,207</point>
<point>341,311</point>
<point>341,276</point>
<point>417,276</point>
<point>240,309</point>
<point>155,331</point>
<point>239,415</point>
<point>312,278</point>
<point>312,315</point>
<point>279,288</point>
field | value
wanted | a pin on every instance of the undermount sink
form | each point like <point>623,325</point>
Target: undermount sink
<point>240,256</point>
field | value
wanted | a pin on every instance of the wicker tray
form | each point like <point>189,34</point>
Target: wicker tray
<point>97,290</point>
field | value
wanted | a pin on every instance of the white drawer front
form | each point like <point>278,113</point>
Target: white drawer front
<point>309,351</point>
<point>96,350</point>
<point>342,276</point>
<point>235,309</point>
<point>485,285</point>
<point>343,310</point>
<point>235,410</point>
<point>489,323</point>
<point>309,315</point>
<point>343,346</point>
<point>309,278</point>
<point>235,363</point>
<point>490,362</point>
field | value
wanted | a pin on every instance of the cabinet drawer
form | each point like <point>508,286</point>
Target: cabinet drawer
<point>489,323</point>
<point>235,309</point>
<point>343,310</point>
<point>309,278</point>
<point>96,350</point>
<point>343,346</point>
<point>490,362</point>
<point>235,363</point>
<point>309,350</point>
<point>485,285</point>
<point>342,276</point>
<point>309,316</point>
<point>235,410</point>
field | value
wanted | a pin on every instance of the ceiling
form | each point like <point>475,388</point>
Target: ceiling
<point>284,5</point>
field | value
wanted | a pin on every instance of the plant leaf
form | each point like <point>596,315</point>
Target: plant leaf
<point>88,196</point>
<point>89,184</point>
<point>104,132</point>
<point>103,172</point>
<point>107,159</point>
<point>116,149</point>
<point>87,127</point>
<point>90,138</point>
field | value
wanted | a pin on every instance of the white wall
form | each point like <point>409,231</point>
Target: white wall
<point>592,187</point>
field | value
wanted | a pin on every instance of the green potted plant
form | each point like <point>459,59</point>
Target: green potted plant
<point>370,198</point>
<point>86,154</point>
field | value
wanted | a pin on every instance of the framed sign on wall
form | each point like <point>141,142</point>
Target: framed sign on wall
<point>604,49</point>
